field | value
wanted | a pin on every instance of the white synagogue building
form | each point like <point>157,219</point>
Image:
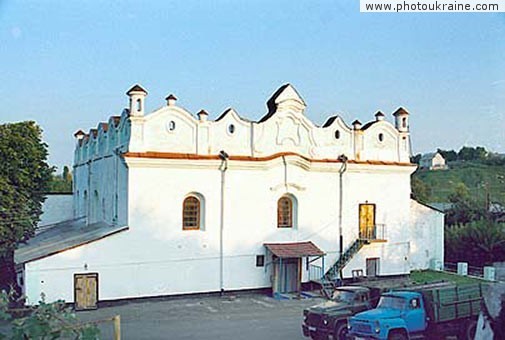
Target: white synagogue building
<point>171,203</point>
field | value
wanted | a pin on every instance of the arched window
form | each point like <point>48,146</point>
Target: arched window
<point>404,122</point>
<point>285,212</point>
<point>139,105</point>
<point>191,213</point>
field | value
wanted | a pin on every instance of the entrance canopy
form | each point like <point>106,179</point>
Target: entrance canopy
<point>294,250</point>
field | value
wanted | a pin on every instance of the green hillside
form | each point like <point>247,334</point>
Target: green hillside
<point>479,179</point>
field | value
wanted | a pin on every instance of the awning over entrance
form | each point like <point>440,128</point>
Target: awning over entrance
<point>294,250</point>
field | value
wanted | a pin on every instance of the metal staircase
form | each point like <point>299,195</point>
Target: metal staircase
<point>334,272</point>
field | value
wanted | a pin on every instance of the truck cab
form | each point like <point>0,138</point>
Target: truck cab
<point>399,315</point>
<point>330,318</point>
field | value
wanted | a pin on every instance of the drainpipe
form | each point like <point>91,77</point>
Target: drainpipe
<point>343,168</point>
<point>223,167</point>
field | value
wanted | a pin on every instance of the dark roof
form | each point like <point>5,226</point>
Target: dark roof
<point>171,96</point>
<point>203,112</point>
<point>136,88</point>
<point>226,112</point>
<point>400,110</point>
<point>356,122</point>
<point>63,236</point>
<point>295,249</point>
<point>367,125</point>
<point>440,207</point>
<point>330,121</point>
<point>379,114</point>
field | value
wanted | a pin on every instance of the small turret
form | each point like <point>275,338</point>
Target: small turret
<point>401,120</point>
<point>137,97</point>
<point>79,134</point>
<point>379,116</point>
<point>171,99</point>
<point>356,124</point>
<point>202,115</point>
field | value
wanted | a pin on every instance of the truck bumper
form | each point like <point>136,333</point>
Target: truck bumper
<point>310,331</point>
<point>361,337</point>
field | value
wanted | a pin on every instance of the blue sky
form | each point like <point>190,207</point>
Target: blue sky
<point>67,64</point>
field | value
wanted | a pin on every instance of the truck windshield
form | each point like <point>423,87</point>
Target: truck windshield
<point>394,302</point>
<point>343,296</point>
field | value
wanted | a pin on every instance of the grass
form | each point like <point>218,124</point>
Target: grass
<point>479,179</point>
<point>431,276</point>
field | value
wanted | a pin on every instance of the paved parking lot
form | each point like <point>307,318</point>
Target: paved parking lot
<point>243,316</point>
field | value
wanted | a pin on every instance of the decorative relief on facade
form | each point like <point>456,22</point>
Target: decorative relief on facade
<point>288,130</point>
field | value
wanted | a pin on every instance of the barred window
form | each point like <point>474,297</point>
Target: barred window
<point>191,213</point>
<point>284,212</point>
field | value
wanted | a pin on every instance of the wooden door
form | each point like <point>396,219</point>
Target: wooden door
<point>367,221</point>
<point>86,291</point>
<point>372,267</point>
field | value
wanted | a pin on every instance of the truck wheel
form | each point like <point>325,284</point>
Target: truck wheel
<point>398,335</point>
<point>340,331</point>
<point>469,331</point>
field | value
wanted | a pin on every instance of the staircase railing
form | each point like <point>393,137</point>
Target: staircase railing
<point>315,272</point>
<point>376,232</point>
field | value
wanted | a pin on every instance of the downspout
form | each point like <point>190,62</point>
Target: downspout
<point>343,168</point>
<point>223,167</point>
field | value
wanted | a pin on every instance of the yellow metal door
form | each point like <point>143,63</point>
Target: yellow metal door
<point>366,221</point>
<point>86,291</point>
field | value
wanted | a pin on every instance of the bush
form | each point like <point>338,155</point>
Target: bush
<point>46,321</point>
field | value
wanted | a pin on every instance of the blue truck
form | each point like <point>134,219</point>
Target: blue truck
<point>431,313</point>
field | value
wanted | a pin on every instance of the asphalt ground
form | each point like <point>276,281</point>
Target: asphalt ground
<point>243,316</point>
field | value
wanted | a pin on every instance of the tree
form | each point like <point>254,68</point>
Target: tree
<point>61,183</point>
<point>24,175</point>
<point>472,154</point>
<point>449,155</point>
<point>415,159</point>
<point>464,209</point>
<point>420,190</point>
<point>479,243</point>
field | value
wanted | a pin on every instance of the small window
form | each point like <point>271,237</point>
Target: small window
<point>139,104</point>
<point>285,212</point>
<point>191,213</point>
<point>381,137</point>
<point>337,134</point>
<point>171,125</point>
<point>404,122</point>
<point>260,260</point>
<point>231,129</point>
<point>414,303</point>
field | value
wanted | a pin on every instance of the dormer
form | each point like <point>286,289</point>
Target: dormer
<point>137,97</point>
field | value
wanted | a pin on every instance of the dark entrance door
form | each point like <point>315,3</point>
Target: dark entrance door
<point>372,267</point>
<point>288,275</point>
